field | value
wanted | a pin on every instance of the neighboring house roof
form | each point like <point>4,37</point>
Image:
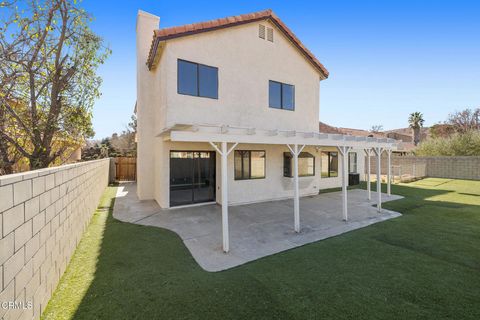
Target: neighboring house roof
<point>403,146</point>
<point>200,27</point>
<point>406,135</point>
<point>404,131</point>
<point>325,128</point>
<point>361,133</point>
<point>424,131</point>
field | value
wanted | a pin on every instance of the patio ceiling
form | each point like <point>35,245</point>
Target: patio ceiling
<point>236,134</point>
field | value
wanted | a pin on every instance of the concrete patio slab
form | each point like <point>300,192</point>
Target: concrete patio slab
<point>256,230</point>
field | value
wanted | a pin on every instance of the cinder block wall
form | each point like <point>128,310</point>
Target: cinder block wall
<point>43,214</point>
<point>401,165</point>
<point>454,167</point>
<point>437,167</point>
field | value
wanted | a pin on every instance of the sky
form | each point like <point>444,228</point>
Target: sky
<point>386,59</point>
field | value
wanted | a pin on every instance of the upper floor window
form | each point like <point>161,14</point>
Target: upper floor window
<point>249,164</point>
<point>306,164</point>
<point>196,79</point>
<point>281,95</point>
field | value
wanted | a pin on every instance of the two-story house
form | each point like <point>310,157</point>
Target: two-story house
<point>229,109</point>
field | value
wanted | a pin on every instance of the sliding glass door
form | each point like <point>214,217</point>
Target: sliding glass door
<point>192,177</point>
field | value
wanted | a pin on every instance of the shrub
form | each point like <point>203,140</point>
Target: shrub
<point>458,144</point>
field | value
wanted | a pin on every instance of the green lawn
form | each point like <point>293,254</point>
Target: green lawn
<point>423,265</point>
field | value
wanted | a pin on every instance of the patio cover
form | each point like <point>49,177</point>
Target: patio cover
<point>219,136</point>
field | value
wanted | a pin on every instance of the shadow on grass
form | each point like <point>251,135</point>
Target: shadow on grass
<point>146,272</point>
<point>470,194</point>
<point>422,265</point>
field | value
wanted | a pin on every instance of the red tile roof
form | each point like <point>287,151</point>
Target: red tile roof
<point>403,146</point>
<point>189,29</point>
<point>325,128</point>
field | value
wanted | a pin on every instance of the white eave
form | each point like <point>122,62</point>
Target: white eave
<point>234,134</point>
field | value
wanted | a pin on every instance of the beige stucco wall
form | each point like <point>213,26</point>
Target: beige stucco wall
<point>245,65</point>
<point>44,214</point>
<point>274,187</point>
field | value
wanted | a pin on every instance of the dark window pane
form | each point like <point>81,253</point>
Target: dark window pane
<point>288,97</point>
<point>333,164</point>
<point>208,81</point>
<point>242,164</point>
<point>306,167</point>
<point>249,164</point>
<point>287,164</point>
<point>306,164</point>
<point>187,78</point>
<point>324,164</point>
<point>275,94</point>
<point>246,165</point>
<point>352,162</point>
<point>192,177</point>
<point>257,164</point>
<point>329,163</point>
<point>238,165</point>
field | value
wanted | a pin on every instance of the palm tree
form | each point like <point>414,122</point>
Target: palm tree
<point>415,121</point>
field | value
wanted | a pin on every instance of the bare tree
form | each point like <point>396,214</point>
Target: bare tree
<point>466,120</point>
<point>376,128</point>
<point>8,155</point>
<point>124,143</point>
<point>48,63</point>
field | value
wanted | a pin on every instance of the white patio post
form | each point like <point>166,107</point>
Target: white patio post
<point>389,173</point>
<point>224,152</point>
<point>344,152</point>
<point>296,201</point>
<point>224,169</point>
<point>369,187</point>
<point>378,151</point>
<point>296,194</point>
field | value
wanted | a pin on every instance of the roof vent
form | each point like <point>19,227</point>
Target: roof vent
<point>270,34</point>
<point>261,31</point>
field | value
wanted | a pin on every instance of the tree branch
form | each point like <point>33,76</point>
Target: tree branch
<point>17,146</point>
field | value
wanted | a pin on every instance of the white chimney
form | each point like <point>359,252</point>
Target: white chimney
<point>146,24</point>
